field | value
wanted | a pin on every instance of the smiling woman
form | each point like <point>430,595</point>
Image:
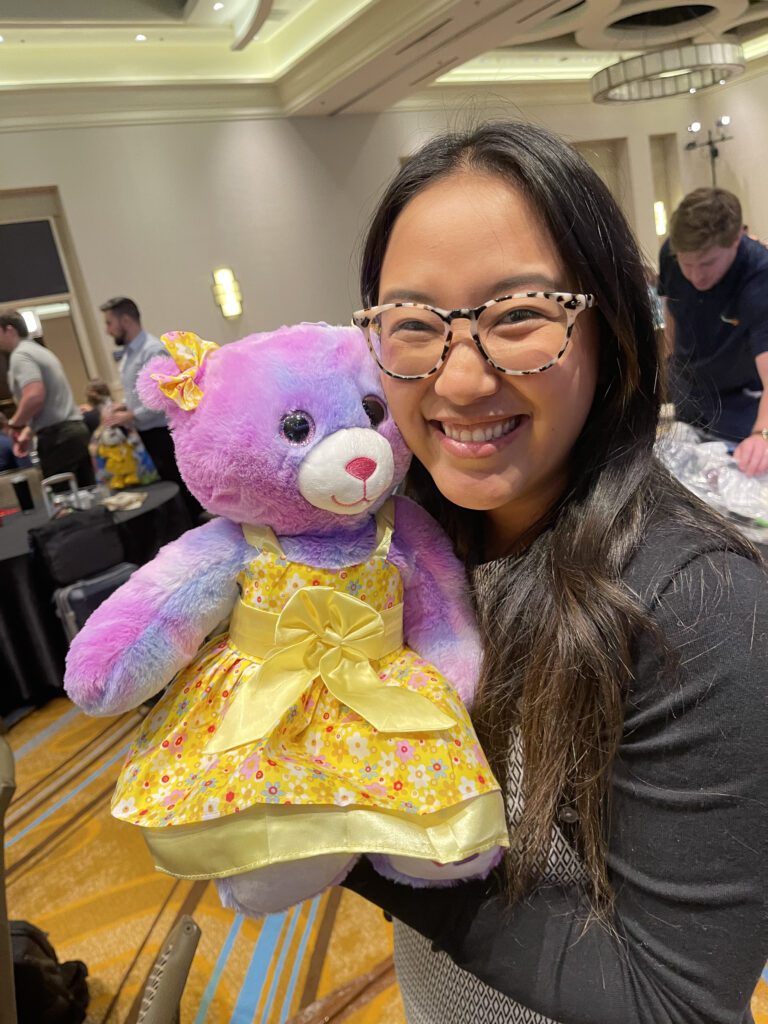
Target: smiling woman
<point>621,619</point>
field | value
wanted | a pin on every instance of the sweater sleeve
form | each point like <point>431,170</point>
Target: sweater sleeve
<point>688,843</point>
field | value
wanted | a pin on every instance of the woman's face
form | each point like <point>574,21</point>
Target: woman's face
<point>463,240</point>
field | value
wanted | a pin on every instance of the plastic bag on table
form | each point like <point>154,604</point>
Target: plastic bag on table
<point>708,469</point>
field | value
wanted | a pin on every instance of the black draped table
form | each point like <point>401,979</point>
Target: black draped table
<point>32,641</point>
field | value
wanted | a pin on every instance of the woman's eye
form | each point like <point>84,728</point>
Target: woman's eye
<point>297,427</point>
<point>415,326</point>
<point>375,410</point>
<point>516,316</point>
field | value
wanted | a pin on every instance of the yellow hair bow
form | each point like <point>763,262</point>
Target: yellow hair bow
<point>188,352</point>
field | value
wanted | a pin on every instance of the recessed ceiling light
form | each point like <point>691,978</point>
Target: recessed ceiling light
<point>141,38</point>
<point>218,7</point>
<point>2,39</point>
<point>691,90</point>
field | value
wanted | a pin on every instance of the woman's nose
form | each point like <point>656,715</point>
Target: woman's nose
<point>466,374</point>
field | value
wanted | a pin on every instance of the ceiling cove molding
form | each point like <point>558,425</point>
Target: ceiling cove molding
<point>386,35</point>
<point>509,97</point>
<point>46,109</point>
<point>247,25</point>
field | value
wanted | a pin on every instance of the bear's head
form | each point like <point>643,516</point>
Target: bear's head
<point>287,429</point>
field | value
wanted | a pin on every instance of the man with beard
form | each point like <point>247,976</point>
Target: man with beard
<point>122,321</point>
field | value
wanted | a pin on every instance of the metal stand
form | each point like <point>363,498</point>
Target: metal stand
<point>712,144</point>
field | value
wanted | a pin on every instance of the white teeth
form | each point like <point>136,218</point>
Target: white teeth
<point>481,433</point>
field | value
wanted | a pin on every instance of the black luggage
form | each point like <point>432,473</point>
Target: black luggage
<point>77,545</point>
<point>47,991</point>
<point>76,602</point>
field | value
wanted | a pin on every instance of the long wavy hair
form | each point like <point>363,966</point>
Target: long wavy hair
<point>558,630</point>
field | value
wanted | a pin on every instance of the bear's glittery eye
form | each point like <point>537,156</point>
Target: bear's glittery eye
<point>375,410</point>
<point>297,427</point>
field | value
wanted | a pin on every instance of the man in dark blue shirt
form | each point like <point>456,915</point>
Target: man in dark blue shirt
<point>715,283</point>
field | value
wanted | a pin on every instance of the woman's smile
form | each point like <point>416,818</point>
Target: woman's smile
<point>478,440</point>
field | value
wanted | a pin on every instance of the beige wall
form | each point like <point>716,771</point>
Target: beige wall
<point>741,165</point>
<point>61,338</point>
<point>154,208</point>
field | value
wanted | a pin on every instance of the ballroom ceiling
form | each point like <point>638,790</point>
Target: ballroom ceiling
<point>124,58</point>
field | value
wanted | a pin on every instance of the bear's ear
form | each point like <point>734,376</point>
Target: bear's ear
<point>174,383</point>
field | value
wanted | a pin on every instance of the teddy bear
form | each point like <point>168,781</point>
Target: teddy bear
<point>329,718</point>
<point>119,458</point>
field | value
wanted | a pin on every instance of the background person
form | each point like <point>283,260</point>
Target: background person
<point>715,282</point>
<point>7,459</point>
<point>97,395</point>
<point>122,321</point>
<point>44,405</point>
<point>624,623</point>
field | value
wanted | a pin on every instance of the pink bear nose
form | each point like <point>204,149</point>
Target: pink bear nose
<point>361,468</point>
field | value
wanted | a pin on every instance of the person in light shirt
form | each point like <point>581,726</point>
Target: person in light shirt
<point>45,406</point>
<point>122,321</point>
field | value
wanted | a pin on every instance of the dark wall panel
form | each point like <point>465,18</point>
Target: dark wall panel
<point>29,261</point>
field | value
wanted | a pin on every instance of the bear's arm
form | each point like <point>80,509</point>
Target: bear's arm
<point>439,620</point>
<point>139,638</point>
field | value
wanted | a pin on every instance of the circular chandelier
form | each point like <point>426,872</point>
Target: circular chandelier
<point>668,72</point>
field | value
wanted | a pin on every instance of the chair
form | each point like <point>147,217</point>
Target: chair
<point>8,494</point>
<point>7,789</point>
<point>162,993</point>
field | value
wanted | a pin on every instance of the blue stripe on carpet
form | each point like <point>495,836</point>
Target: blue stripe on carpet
<point>298,960</point>
<point>210,988</point>
<point>52,729</point>
<point>68,796</point>
<point>253,985</point>
<point>265,1017</point>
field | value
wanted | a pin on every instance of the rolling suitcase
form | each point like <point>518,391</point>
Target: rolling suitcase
<point>76,602</point>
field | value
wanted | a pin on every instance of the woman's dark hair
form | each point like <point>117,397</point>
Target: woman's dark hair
<point>558,630</point>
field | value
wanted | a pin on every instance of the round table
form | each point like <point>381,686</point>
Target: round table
<point>32,642</point>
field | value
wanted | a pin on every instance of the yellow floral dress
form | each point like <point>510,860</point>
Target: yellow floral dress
<point>255,756</point>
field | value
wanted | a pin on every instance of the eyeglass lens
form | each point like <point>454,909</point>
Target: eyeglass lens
<point>517,334</point>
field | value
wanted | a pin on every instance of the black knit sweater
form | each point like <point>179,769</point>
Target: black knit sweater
<point>688,841</point>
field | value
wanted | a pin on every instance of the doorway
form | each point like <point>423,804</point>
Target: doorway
<point>41,277</point>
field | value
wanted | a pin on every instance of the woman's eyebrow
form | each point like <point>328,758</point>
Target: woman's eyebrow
<point>531,282</point>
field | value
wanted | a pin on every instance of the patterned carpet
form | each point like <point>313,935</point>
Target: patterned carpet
<point>88,881</point>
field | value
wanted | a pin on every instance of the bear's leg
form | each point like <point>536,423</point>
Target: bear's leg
<point>269,890</point>
<point>417,872</point>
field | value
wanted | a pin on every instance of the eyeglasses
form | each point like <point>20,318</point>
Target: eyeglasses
<point>517,334</point>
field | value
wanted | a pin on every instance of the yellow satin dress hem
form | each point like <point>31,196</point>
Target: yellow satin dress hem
<point>225,846</point>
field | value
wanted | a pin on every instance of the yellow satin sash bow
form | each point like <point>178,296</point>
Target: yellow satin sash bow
<point>188,352</point>
<point>322,632</point>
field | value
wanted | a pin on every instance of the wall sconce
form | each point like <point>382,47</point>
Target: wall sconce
<point>227,294</point>
<point>660,218</point>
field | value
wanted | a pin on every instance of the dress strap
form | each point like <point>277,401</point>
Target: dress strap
<point>385,524</point>
<point>263,538</point>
